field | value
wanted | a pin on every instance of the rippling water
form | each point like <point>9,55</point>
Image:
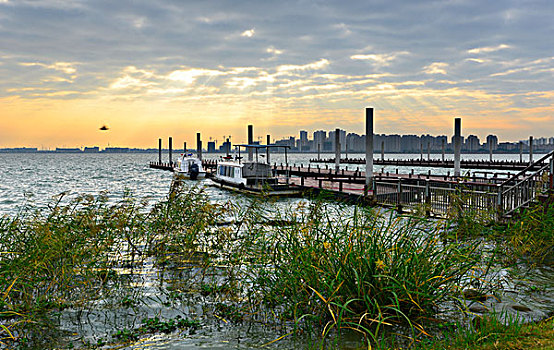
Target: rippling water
<point>38,177</point>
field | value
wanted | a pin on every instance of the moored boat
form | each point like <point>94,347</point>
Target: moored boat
<point>253,177</point>
<point>189,167</point>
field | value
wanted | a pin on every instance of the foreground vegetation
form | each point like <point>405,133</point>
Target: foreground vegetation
<point>310,267</point>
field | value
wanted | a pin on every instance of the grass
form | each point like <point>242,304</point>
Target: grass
<point>491,334</point>
<point>315,268</point>
<point>359,271</point>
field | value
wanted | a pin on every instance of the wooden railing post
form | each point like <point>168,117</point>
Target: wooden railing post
<point>499,201</point>
<point>552,173</point>
<point>427,198</point>
<point>399,196</point>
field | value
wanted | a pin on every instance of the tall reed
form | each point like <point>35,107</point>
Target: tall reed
<point>358,270</point>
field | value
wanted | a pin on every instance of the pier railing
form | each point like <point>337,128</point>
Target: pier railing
<point>524,188</point>
<point>436,198</point>
<point>490,199</point>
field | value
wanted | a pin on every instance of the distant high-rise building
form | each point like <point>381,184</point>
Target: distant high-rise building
<point>303,141</point>
<point>472,143</point>
<point>342,139</point>
<point>320,137</point>
<point>211,147</point>
<point>492,140</point>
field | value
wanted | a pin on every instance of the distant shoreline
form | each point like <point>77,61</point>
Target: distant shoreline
<point>165,151</point>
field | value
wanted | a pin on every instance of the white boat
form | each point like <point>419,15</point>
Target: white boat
<point>251,176</point>
<point>189,167</point>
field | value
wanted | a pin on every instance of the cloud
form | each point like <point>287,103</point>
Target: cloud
<point>248,33</point>
<point>320,64</point>
<point>65,67</point>
<point>188,76</point>
<point>307,55</point>
<point>379,59</point>
<point>436,68</point>
<point>273,51</point>
<point>488,49</point>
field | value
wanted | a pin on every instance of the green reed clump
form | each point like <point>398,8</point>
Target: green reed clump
<point>358,269</point>
<point>178,222</point>
<point>488,332</point>
<point>60,256</point>
<point>531,232</point>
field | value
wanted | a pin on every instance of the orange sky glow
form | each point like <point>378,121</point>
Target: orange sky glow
<point>150,72</point>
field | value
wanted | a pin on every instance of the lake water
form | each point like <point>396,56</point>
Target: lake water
<point>36,178</point>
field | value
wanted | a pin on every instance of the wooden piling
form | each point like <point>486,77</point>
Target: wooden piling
<point>368,147</point>
<point>170,151</point>
<point>530,149</point>
<point>337,149</point>
<point>268,142</point>
<point>457,145</point>
<point>198,146</point>
<point>250,141</point>
<point>160,151</point>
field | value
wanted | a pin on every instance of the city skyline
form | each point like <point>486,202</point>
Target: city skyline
<point>156,69</point>
<point>324,140</point>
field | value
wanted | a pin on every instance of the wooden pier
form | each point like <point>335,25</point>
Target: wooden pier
<point>491,196</point>
<point>478,192</point>
<point>510,165</point>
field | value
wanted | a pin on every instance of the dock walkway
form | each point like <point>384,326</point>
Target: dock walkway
<point>494,196</point>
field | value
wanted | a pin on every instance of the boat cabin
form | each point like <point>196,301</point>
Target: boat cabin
<point>247,173</point>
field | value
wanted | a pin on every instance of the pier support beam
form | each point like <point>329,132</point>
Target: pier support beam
<point>198,146</point>
<point>383,150</point>
<point>170,151</point>
<point>490,152</point>
<point>368,147</point>
<point>250,141</point>
<point>337,149</point>
<point>530,149</point>
<point>520,152</point>
<point>268,142</point>
<point>160,151</point>
<point>421,150</point>
<point>457,145</point>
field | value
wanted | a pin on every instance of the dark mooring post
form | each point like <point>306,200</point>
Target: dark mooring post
<point>198,146</point>
<point>268,142</point>
<point>383,150</point>
<point>520,152</point>
<point>337,149</point>
<point>421,150</point>
<point>170,151</point>
<point>250,141</point>
<point>442,150</point>
<point>530,149</point>
<point>185,148</point>
<point>457,145</point>
<point>368,147</point>
<point>160,151</point>
<point>490,152</point>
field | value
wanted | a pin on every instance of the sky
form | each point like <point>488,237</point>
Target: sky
<point>154,69</point>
